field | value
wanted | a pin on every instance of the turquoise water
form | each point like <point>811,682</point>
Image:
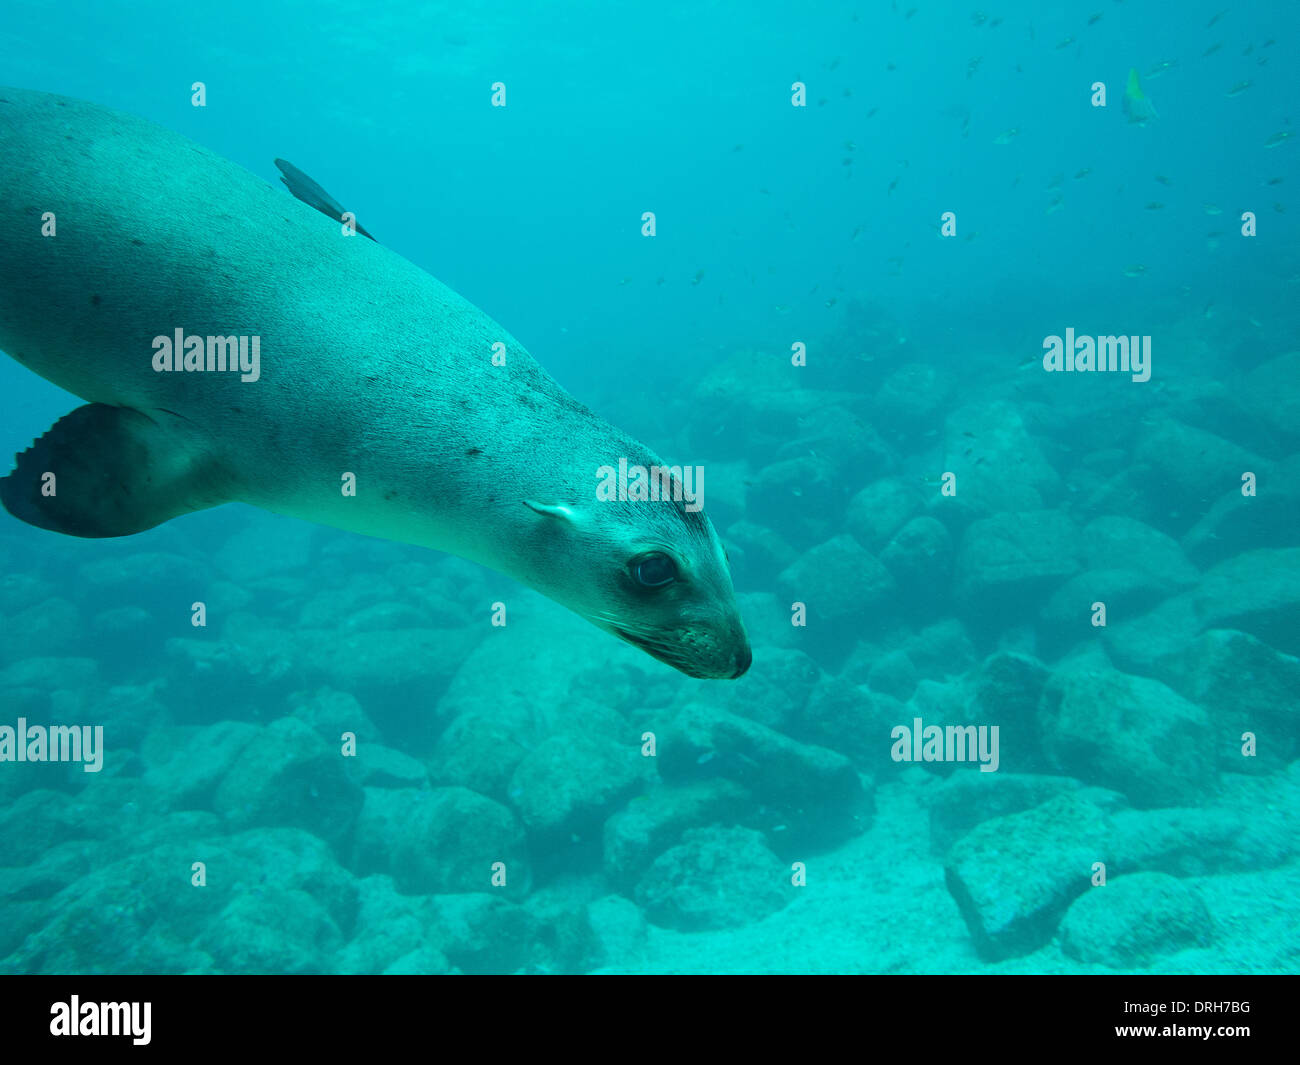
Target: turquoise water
<point>926,526</point>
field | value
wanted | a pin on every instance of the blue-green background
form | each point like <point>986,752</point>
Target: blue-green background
<point>776,224</point>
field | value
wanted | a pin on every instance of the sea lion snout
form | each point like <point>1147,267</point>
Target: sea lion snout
<point>699,652</point>
<point>743,659</point>
<point>651,572</point>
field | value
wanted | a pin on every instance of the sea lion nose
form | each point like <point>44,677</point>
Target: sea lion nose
<point>743,659</point>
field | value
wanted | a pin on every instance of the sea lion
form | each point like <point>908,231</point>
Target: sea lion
<point>338,383</point>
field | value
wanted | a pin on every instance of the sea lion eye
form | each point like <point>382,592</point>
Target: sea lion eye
<point>654,571</point>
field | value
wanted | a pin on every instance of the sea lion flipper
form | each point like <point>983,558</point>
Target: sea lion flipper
<point>307,190</point>
<point>107,471</point>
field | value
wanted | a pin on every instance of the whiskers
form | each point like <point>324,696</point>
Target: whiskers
<point>648,638</point>
<point>639,629</point>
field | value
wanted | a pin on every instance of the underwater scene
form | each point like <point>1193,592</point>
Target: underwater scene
<point>836,510</point>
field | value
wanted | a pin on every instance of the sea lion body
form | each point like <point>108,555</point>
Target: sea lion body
<point>368,366</point>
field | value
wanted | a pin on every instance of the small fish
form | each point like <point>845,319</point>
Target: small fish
<point>1277,139</point>
<point>1163,180</point>
<point>973,66</point>
<point>1065,43</point>
<point>1083,173</point>
<point>1007,136</point>
<point>1056,182</point>
<point>1212,49</point>
<point>1239,88</point>
<point>1215,19</point>
<point>978,18</point>
<point>1211,208</point>
<point>1275,181</point>
<point>305,189</point>
<point>1161,68</point>
<point>1136,104</point>
<point>872,112</point>
<point>699,276</point>
<point>1093,20</point>
<point>1056,205</point>
<point>1137,270</point>
<point>1154,206</point>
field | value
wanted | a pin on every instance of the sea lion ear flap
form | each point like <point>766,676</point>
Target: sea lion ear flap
<point>554,510</point>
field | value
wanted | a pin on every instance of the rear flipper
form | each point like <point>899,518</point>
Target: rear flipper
<point>109,471</point>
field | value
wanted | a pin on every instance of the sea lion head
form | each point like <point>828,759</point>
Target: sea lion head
<point>652,572</point>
